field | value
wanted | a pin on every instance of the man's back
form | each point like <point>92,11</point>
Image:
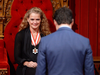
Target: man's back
<point>66,53</point>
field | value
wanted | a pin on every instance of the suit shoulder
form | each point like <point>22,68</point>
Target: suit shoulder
<point>82,38</point>
<point>49,36</point>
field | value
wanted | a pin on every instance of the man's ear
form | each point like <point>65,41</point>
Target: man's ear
<point>55,23</point>
<point>72,22</point>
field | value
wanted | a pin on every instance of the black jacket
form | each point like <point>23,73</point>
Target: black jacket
<point>23,52</point>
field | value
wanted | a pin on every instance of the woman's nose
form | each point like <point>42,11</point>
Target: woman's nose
<point>35,21</point>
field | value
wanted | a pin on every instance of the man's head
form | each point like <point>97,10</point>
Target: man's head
<point>63,16</point>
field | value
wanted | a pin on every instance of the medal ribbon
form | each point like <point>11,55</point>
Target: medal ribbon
<point>35,41</point>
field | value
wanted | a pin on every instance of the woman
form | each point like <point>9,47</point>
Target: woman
<point>34,26</point>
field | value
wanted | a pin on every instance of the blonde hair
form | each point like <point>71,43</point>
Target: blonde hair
<point>44,25</point>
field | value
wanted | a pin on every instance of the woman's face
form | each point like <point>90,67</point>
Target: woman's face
<point>34,20</point>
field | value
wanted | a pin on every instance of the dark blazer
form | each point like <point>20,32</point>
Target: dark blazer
<point>65,52</point>
<point>23,52</point>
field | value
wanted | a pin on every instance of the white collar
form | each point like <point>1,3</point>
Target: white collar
<point>64,26</point>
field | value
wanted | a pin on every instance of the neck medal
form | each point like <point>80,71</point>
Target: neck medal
<point>35,42</point>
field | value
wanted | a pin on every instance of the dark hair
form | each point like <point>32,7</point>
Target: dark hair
<point>63,15</point>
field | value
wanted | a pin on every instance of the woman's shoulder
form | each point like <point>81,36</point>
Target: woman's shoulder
<point>21,33</point>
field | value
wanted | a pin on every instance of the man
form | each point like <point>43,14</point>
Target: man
<point>64,52</point>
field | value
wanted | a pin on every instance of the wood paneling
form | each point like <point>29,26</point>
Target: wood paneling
<point>1,19</point>
<point>58,4</point>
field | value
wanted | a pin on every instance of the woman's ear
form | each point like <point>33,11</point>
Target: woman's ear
<point>27,19</point>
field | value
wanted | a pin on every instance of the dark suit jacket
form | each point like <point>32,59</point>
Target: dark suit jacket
<point>65,52</point>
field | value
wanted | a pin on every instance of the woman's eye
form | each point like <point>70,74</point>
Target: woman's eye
<point>32,19</point>
<point>37,19</point>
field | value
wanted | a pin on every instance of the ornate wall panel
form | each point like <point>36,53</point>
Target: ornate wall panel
<point>3,71</point>
<point>59,3</point>
<point>1,17</point>
<point>5,15</point>
<point>7,11</point>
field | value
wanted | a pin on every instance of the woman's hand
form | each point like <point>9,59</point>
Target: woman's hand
<point>30,64</point>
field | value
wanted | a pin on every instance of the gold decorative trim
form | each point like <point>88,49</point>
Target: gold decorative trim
<point>3,72</point>
<point>1,17</point>
<point>7,10</point>
<point>96,60</point>
<point>59,3</point>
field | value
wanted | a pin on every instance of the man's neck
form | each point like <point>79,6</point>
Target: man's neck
<point>63,25</point>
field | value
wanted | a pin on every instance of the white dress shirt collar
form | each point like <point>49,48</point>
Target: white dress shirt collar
<point>64,26</point>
